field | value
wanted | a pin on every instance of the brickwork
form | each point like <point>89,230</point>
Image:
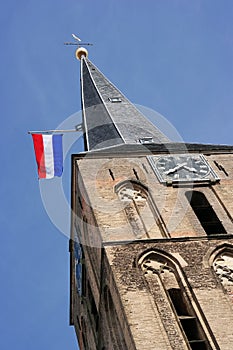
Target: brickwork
<point>120,308</point>
<point>171,203</point>
<point>213,303</point>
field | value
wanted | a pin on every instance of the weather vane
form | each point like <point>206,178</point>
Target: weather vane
<point>77,42</point>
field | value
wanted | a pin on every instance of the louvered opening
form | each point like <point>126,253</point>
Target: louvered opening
<point>205,213</point>
<point>188,321</point>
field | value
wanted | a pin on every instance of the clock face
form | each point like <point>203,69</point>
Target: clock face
<point>183,167</point>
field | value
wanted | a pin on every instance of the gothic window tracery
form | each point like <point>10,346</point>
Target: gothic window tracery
<point>162,276</point>
<point>134,200</point>
<point>223,267</point>
<point>127,194</point>
<point>139,208</point>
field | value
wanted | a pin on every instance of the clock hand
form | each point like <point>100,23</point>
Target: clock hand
<point>190,169</point>
<point>179,166</point>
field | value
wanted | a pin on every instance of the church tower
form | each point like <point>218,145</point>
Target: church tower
<point>151,234</point>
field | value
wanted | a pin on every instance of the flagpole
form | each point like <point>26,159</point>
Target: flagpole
<point>53,131</point>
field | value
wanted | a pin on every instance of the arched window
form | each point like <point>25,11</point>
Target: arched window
<point>223,267</point>
<point>140,210</point>
<point>171,297</point>
<point>205,213</point>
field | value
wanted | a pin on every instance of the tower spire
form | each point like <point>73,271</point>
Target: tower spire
<point>109,118</point>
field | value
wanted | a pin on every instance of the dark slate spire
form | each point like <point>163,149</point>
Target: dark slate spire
<point>109,118</point>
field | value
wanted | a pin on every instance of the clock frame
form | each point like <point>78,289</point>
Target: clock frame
<point>182,168</point>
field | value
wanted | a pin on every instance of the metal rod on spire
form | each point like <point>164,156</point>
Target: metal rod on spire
<point>78,42</point>
<point>78,128</point>
<point>52,131</point>
<point>68,43</point>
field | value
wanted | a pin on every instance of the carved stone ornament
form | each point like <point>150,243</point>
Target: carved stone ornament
<point>223,266</point>
<point>128,194</point>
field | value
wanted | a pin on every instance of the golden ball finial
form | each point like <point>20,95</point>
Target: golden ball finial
<point>81,51</point>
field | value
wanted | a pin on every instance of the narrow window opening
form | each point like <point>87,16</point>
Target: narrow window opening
<point>95,314</point>
<point>93,308</point>
<point>111,174</point>
<point>136,174</point>
<point>205,213</point>
<point>84,280</point>
<point>80,202</point>
<point>220,167</point>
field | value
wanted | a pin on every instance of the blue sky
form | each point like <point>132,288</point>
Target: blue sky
<point>173,56</point>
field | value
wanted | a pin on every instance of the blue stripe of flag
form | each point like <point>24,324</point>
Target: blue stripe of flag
<point>58,155</point>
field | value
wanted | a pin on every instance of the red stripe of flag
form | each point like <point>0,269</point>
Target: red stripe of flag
<point>39,152</point>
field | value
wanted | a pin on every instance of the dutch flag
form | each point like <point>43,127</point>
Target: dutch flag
<point>49,158</point>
